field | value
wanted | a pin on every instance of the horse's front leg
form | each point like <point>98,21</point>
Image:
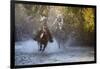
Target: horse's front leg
<point>45,45</point>
<point>40,47</point>
<point>59,44</point>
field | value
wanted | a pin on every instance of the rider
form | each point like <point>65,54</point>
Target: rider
<point>44,30</point>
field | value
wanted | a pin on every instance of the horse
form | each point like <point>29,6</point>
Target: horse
<point>43,37</point>
<point>60,37</point>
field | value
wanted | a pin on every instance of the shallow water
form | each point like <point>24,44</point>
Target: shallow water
<point>26,53</point>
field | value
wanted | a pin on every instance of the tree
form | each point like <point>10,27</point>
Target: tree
<point>88,15</point>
